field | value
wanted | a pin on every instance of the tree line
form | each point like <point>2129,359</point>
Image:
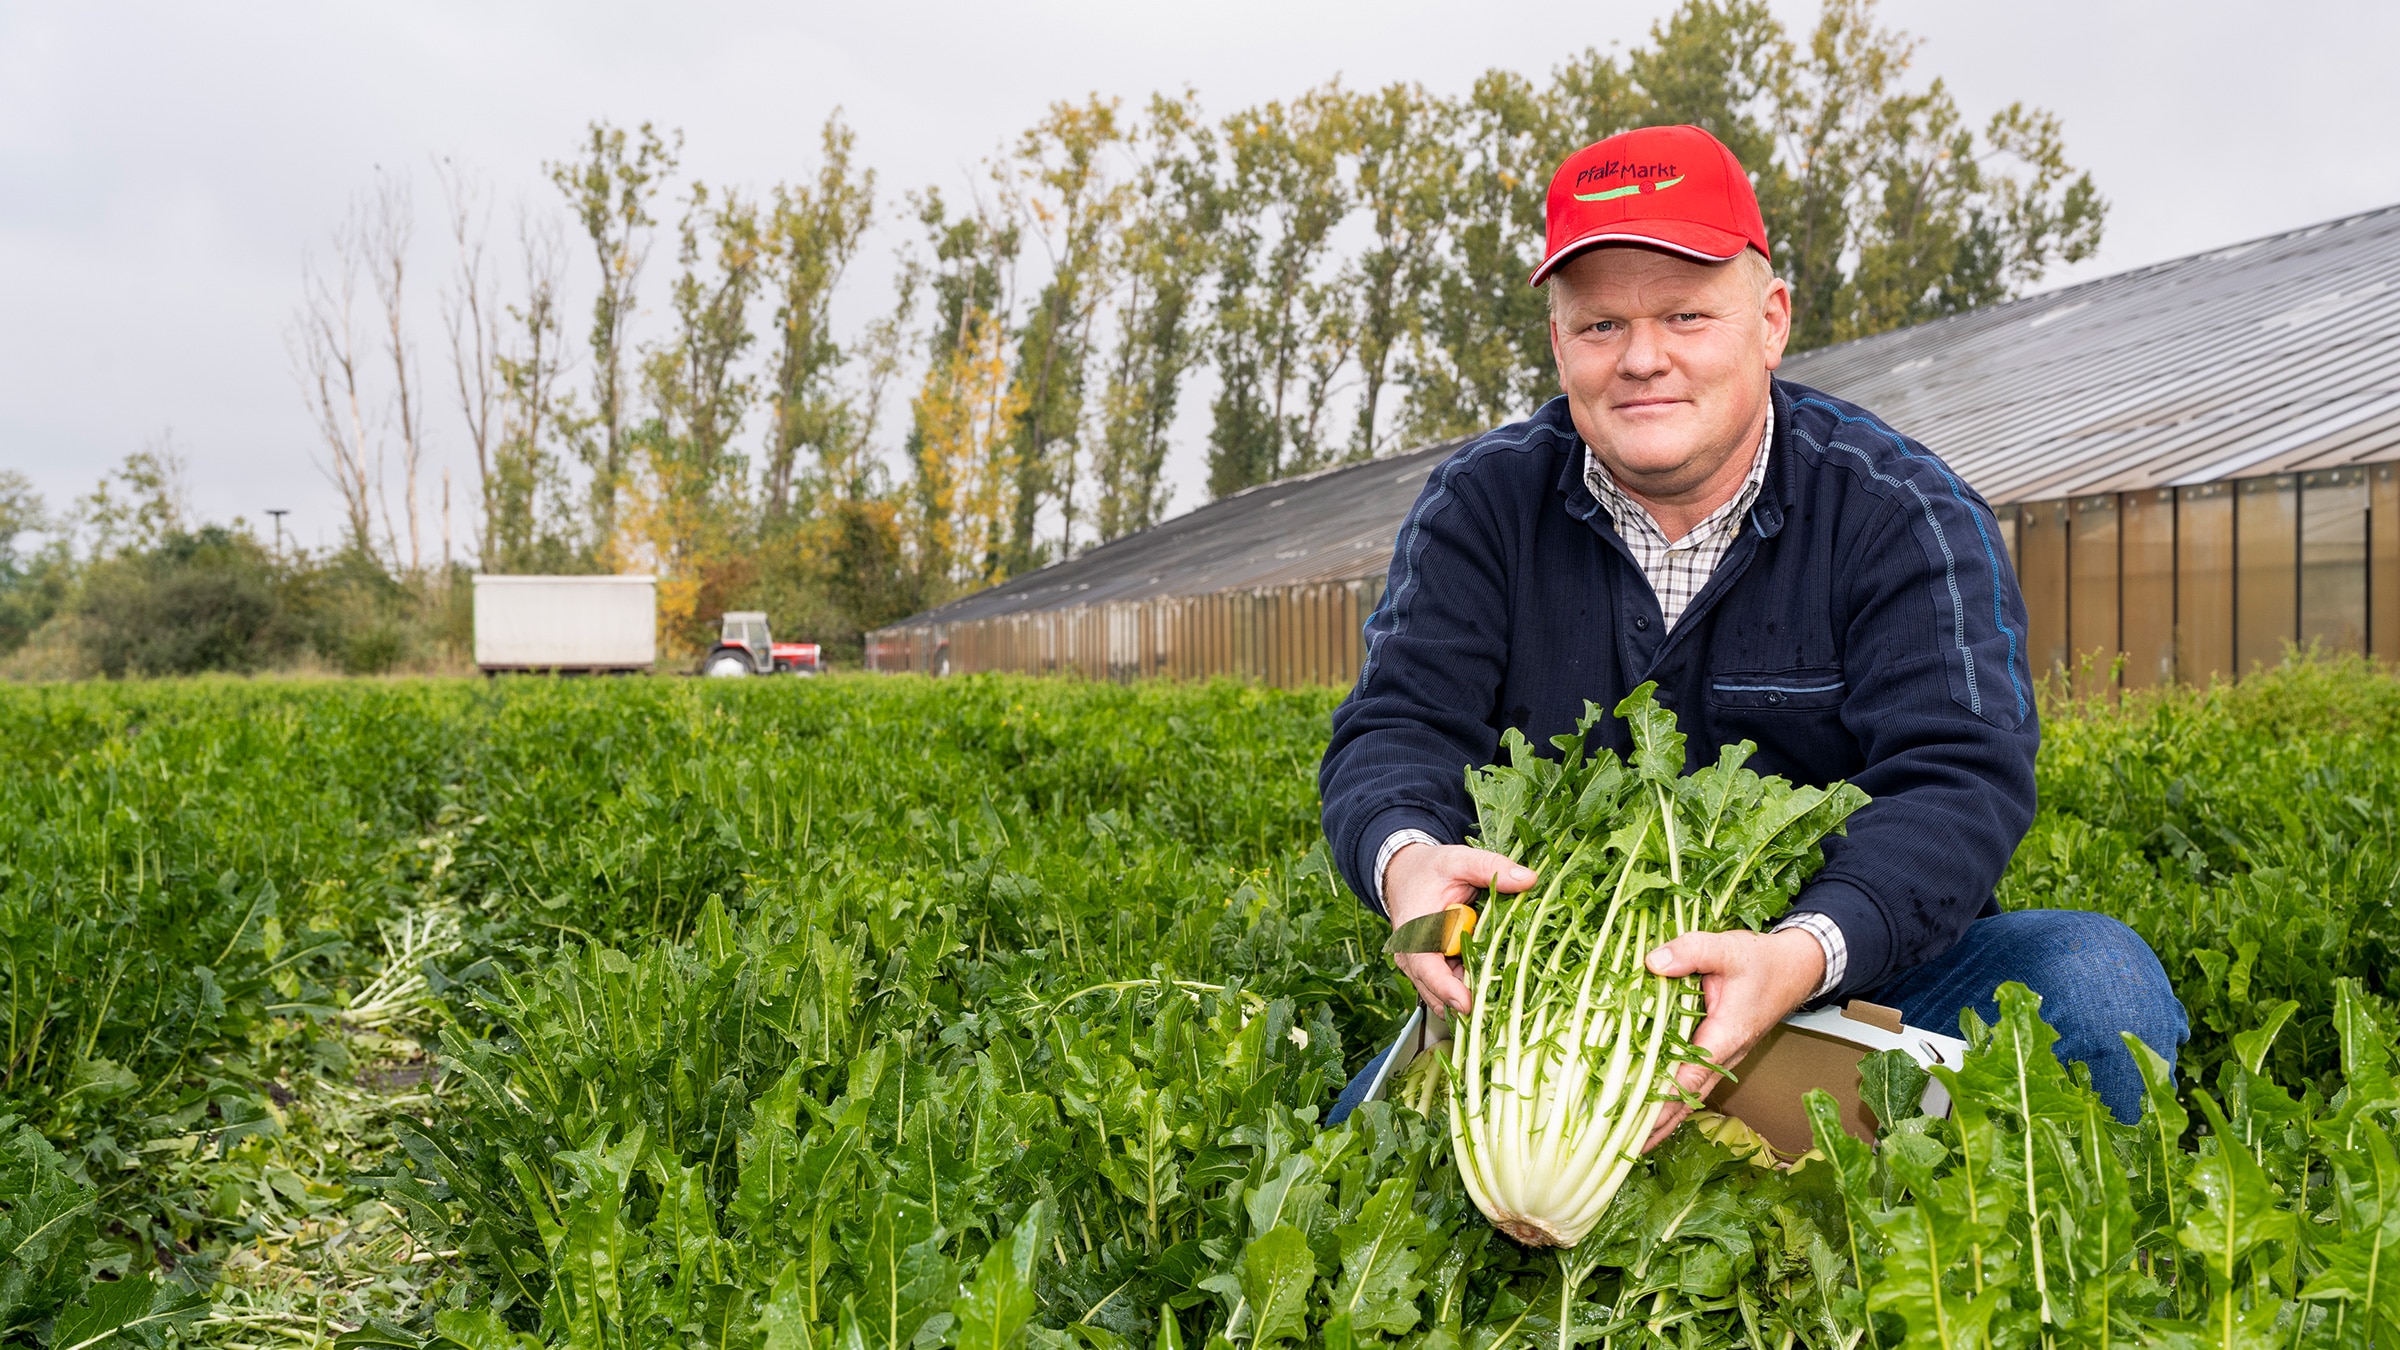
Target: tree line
<point>1306,282</point>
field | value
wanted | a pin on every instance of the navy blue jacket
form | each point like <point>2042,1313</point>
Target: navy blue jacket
<point>1865,625</point>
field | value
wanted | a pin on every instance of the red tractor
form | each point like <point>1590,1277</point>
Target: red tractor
<point>744,648</point>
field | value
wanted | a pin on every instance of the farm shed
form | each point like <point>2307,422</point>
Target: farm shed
<point>2194,463</point>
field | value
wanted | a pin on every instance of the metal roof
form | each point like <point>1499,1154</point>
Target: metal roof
<point>2276,355</point>
<point>2265,357</point>
<point>1331,525</point>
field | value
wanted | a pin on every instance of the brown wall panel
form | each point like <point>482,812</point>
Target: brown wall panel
<point>1323,618</point>
<point>2333,559</point>
<point>2383,561</point>
<point>1327,626</point>
<point>2092,638</point>
<point>1345,606</point>
<point>2203,582</point>
<point>2146,593</point>
<point>2042,572</point>
<point>2266,542</point>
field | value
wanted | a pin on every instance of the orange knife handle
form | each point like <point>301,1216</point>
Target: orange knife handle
<point>1457,922</point>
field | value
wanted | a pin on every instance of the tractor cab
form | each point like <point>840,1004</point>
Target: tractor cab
<point>744,647</point>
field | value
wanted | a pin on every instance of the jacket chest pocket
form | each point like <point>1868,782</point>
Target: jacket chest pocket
<point>1809,689</point>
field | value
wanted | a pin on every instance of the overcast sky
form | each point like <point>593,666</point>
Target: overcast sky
<point>164,166</point>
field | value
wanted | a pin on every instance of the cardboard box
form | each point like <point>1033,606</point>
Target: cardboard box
<point>1819,1049</point>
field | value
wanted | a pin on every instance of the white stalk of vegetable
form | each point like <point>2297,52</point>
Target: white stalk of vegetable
<point>1567,1060</point>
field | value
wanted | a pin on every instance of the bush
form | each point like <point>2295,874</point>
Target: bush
<point>197,602</point>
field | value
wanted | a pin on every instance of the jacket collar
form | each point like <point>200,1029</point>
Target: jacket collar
<point>1782,489</point>
<point>1780,492</point>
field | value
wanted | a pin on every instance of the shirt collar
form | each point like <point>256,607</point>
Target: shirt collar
<point>1630,514</point>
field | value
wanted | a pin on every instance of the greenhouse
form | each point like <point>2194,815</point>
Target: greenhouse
<point>2194,463</point>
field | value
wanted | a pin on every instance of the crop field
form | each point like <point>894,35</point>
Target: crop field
<point>867,1014</point>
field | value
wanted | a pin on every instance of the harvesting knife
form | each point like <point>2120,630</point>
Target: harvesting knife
<point>1442,931</point>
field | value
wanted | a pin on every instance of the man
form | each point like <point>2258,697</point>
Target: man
<point>1791,572</point>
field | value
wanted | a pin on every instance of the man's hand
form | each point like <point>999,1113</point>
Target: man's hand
<point>1748,982</point>
<point>1427,878</point>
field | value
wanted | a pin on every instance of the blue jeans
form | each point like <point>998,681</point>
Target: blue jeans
<point>2095,976</point>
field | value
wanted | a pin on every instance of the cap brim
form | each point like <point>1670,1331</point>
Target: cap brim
<point>1701,243</point>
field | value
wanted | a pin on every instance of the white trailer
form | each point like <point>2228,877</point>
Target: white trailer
<point>583,625</point>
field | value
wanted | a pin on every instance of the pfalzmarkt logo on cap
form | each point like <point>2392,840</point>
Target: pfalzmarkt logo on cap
<point>1659,175</point>
<point>1628,190</point>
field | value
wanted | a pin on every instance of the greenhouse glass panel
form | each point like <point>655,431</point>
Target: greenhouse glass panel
<point>2146,595</point>
<point>2333,559</point>
<point>2203,582</point>
<point>2266,541</point>
<point>2042,539</point>
<point>2092,592</point>
<point>2383,561</point>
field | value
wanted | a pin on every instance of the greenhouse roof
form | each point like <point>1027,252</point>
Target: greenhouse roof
<point>1330,525</point>
<point>2272,356</point>
<point>2277,355</point>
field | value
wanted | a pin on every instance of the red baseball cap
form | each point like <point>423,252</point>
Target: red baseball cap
<point>1676,188</point>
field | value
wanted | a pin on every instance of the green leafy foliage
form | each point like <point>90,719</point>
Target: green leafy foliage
<point>2250,833</point>
<point>993,1012</point>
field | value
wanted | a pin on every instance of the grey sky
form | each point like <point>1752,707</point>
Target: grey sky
<point>164,166</point>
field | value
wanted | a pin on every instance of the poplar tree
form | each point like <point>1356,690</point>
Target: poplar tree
<point>1407,171</point>
<point>1057,183</point>
<point>1482,355</point>
<point>811,234</point>
<point>960,475</point>
<point>529,527</point>
<point>609,190</point>
<point>1162,254</point>
<point>1282,312</point>
<point>687,507</point>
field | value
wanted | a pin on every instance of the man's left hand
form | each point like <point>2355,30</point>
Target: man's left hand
<point>1748,983</point>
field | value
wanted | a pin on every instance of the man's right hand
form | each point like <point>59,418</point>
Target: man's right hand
<point>1427,878</point>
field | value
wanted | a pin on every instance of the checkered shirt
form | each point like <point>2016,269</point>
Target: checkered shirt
<point>1678,568</point>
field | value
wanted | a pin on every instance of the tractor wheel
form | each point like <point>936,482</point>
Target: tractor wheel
<point>726,665</point>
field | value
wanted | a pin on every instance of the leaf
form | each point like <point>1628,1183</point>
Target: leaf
<point>1853,1166</point>
<point>1603,786</point>
<point>2362,1269</point>
<point>2366,1046</point>
<point>2160,1109</point>
<point>1293,1195</point>
<point>136,1309</point>
<point>45,1222</point>
<point>783,1318</point>
<point>1892,1084</point>
<point>2250,1047</point>
<point>482,1329</point>
<point>1948,1267</point>
<point>2240,1211</point>
<point>904,1274</point>
<point>377,1334</point>
<point>1277,1272</point>
<point>1657,743</point>
<point>991,1312</point>
<point>1381,1253</point>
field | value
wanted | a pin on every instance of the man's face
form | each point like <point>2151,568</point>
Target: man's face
<point>1664,362</point>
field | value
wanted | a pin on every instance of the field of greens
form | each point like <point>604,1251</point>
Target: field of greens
<point>868,1014</point>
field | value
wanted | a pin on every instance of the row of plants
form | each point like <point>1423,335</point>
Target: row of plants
<point>899,1013</point>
